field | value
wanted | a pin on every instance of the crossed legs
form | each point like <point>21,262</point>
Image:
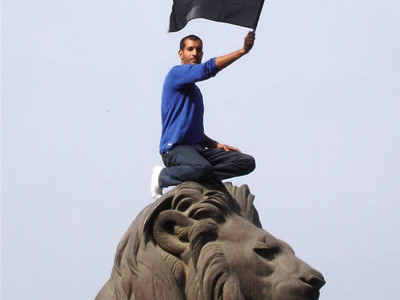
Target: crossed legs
<point>195,163</point>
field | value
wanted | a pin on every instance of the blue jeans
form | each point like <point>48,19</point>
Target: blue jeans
<point>196,163</point>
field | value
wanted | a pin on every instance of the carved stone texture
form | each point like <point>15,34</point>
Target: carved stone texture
<point>199,243</point>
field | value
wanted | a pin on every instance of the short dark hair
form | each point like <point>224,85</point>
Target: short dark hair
<point>191,37</point>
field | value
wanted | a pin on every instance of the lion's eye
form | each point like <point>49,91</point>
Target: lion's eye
<point>267,253</point>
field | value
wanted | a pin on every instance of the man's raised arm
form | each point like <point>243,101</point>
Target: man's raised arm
<point>226,60</point>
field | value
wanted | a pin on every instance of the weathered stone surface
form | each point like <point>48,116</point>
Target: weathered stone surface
<point>199,243</point>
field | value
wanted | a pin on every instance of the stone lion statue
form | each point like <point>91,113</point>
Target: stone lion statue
<point>199,243</point>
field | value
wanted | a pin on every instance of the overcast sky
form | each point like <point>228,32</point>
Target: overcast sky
<point>316,102</point>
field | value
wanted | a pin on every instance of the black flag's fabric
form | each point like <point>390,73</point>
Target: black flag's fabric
<point>238,12</point>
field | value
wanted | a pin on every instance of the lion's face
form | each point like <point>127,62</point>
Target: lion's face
<point>265,267</point>
<point>230,256</point>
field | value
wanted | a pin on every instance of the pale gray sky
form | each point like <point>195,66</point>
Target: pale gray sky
<point>316,102</point>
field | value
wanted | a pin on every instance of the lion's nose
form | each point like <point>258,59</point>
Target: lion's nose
<point>315,280</point>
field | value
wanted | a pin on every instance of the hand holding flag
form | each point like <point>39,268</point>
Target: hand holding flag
<point>249,41</point>
<point>225,60</point>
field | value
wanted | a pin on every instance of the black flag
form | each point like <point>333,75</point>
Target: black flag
<point>238,12</point>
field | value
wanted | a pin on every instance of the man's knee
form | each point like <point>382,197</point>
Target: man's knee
<point>250,163</point>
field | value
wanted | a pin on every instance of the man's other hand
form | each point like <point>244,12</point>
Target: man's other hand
<point>227,147</point>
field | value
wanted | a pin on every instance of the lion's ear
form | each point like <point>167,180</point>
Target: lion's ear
<point>171,231</point>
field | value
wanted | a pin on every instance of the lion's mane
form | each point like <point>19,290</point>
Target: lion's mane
<point>202,243</point>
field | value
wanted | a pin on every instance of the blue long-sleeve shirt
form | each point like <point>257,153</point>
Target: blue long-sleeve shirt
<point>182,106</point>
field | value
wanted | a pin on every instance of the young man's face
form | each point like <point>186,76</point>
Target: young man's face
<point>192,53</point>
